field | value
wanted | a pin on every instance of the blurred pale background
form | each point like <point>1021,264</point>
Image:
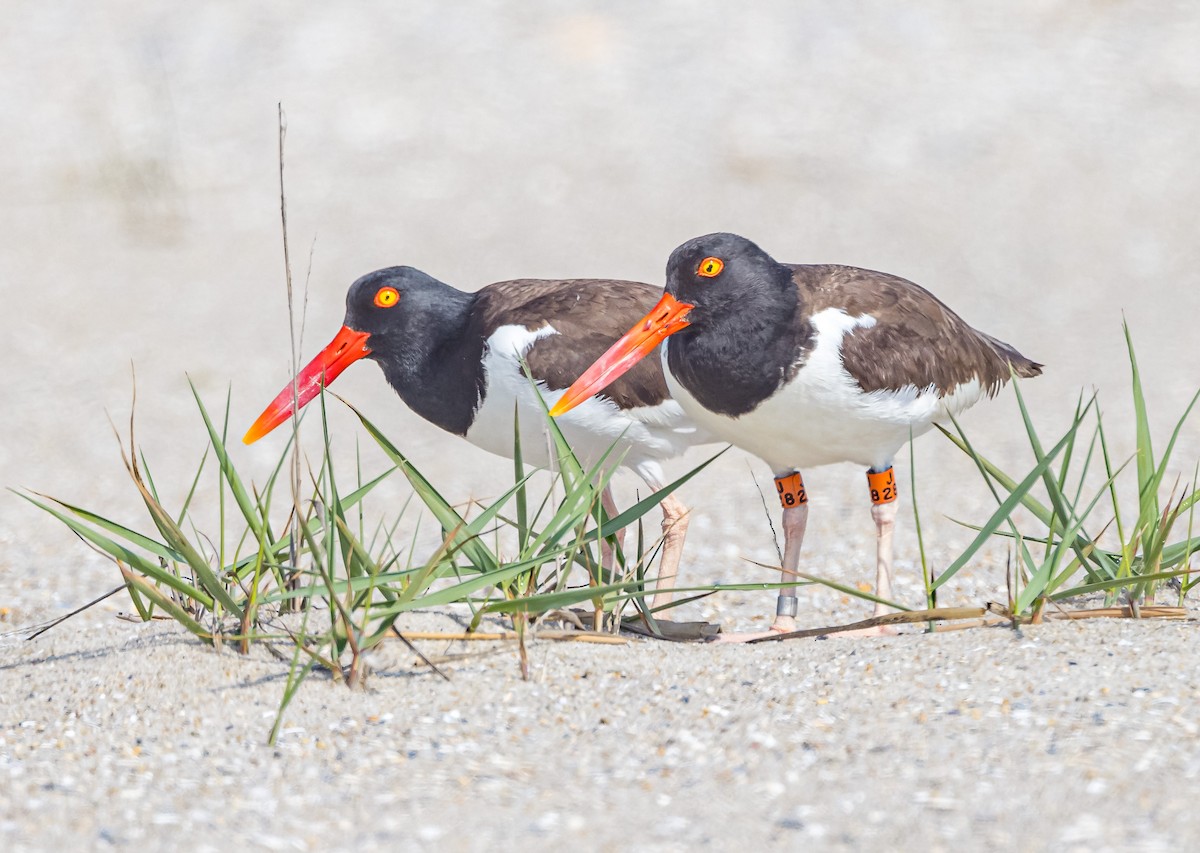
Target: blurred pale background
<point>1032,163</point>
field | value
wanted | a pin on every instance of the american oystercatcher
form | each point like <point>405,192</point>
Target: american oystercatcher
<point>806,365</point>
<point>455,359</point>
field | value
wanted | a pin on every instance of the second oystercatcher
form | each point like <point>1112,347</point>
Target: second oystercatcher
<point>807,365</point>
<point>455,359</point>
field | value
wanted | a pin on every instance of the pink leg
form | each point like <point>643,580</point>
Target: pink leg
<point>607,557</point>
<point>795,520</point>
<point>674,527</point>
<point>884,507</point>
<point>885,525</point>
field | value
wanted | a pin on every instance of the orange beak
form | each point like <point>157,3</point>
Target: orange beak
<point>665,319</point>
<point>345,349</point>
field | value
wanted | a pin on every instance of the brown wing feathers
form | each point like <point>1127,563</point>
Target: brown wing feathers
<point>589,314</point>
<point>916,339</point>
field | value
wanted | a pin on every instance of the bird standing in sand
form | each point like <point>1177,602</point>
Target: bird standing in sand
<point>455,359</point>
<point>806,365</point>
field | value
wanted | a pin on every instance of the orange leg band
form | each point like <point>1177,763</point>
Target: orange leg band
<point>791,490</point>
<point>882,485</point>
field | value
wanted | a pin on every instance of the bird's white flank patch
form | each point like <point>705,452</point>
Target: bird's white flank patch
<point>823,416</point>
<point>644,435</point>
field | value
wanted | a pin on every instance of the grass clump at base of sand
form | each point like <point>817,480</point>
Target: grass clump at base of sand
<point>1102,542</point>
<point>346,586</point>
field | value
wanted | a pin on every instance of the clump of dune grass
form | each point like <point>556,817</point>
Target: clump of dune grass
<point>237,585</point>
<point>1097,535</point>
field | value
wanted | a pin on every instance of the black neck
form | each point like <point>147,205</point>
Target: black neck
<point>435,363</point>
<point>733,360</point>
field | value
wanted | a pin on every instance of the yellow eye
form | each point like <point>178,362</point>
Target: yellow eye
<point>710,267</point>
<point>387,297</point>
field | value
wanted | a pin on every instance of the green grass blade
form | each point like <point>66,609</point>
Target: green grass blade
<point>1147,496</point>
<point>1039,510</point>
<point>519,477</point>
<point>187,501</point>
<point>803,579</point>
<point>581,498</point>
<point>1108,470</point>
<point>1161,472</point>
<point>568,462</point>
<point>1005,510</point>
<point>177,540</point>
<point>547,601</point>
<point>153,546</point>
<point>236,488</point>
<point>1187,582</point>
<point>1068,452</point>
<point>1044,573</point>
<point>1058,500</point>
<point>1114,583</point>
<point>926,574</point>
<point>118,551</point>
<point>460,591</point>
<point>154,594</point>
<point>633,513</point>
<point>446,515</point>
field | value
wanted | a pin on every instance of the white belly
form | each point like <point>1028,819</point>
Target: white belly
<point>822,416</point>
<point>643,436</point>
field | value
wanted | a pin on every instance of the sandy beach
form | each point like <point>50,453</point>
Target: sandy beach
<point>1033,166</point>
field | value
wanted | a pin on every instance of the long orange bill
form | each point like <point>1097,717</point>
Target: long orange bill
<point>345,349</point>
<point>665,319</point>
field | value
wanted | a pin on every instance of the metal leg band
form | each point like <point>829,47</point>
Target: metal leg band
<point>787,605</point>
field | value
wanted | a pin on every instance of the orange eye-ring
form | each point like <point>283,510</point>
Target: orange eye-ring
<point>387,297</point>
<point>710,267</point>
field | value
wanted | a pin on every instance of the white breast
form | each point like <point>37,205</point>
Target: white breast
<point>644,435</point>
<point>822,415</point>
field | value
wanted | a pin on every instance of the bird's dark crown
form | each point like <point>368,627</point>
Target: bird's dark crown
<point>722,269</point>
<point>370,308</point>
